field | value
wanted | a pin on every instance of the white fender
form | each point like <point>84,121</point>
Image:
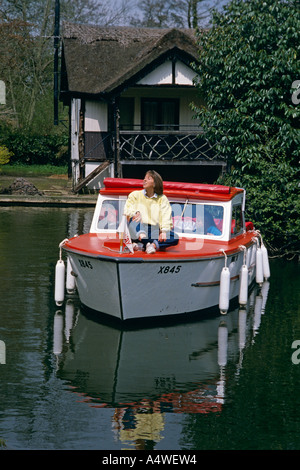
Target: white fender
<point>253,255</point>
<point>224,290</point>
<point>243,294</point>
<point>259,266</point>
<point>59,294</point>
<point>265,261</point>
<point>70,283</point>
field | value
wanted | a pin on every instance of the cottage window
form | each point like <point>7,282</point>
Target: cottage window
<point>126,107</point>
<point>160,114</point>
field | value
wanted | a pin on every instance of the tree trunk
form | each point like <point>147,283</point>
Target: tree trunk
<point>38,66</point>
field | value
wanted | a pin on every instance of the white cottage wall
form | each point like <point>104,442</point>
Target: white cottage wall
<point>75,116</point>
<point>163,75</point>
<point>95,119</point>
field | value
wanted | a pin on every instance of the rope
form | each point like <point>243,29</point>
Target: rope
<point>60,248</point>
<point>242,247</point>
<point>223,251</point>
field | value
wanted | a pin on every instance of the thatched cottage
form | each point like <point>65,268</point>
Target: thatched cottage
<point>129,92</point>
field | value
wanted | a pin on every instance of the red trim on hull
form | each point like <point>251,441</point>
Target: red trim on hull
<point>213,283</point>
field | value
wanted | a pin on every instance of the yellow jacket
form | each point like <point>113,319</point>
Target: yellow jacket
<point>154,210</point>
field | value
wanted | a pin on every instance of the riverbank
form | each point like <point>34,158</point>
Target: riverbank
<point>56,190</point>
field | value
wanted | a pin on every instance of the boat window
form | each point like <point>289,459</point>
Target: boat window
<point>109,218</point>
<point>201,219</point>
<point>237,221</point>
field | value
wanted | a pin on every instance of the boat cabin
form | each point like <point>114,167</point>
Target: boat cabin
<point>199,211</point>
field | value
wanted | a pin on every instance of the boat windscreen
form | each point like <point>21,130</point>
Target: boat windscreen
<point>188,218</point>
<point>110,214</point>
<point>201,219</point>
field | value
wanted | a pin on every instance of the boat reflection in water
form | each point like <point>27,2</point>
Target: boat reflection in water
<point>145,373</point>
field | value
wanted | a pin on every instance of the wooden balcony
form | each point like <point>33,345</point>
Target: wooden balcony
<point>175,145</point>
<point>163,144</point>
<point>185,148</point>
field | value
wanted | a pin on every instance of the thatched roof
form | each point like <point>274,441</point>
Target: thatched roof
<point>104,60</point>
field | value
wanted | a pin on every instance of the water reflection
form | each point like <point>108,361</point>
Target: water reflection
<point>256,387</point>
<point>145,373</point>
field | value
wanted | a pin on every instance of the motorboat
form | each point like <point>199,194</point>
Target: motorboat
<point>216,260</point>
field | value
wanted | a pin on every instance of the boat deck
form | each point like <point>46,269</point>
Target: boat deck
<point>99,245</point>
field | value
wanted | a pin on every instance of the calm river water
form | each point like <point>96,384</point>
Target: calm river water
<point>70,382</point>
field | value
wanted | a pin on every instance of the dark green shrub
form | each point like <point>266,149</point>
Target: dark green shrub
<point>36,149</point>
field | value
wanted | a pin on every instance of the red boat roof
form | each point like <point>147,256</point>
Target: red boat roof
<point>176,189</point>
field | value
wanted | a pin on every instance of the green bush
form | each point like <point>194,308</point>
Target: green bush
<point>272,204</point>
<point>5,155</point>
<point>35,149</point>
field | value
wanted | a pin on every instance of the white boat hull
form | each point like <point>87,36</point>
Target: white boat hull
<point>130,289</point>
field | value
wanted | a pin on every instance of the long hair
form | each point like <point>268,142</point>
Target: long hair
<point>158,182</point>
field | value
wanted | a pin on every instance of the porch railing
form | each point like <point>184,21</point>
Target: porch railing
<point>188,144</point>
<point>166,145</point>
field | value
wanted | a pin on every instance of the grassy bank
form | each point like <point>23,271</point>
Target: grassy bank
<point>44,177</point>
<point>32,170</point>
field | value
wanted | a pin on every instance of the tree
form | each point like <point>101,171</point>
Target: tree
<point>15,45</point>
<point>248,62</point>
<point>26,52</point>
<point>174,13</point>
